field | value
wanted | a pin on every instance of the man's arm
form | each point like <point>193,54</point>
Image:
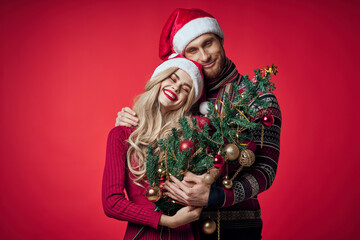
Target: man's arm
<point>126,117</point>
<point>260,176</point>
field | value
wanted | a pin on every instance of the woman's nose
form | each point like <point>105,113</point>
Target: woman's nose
<point>176,87</point>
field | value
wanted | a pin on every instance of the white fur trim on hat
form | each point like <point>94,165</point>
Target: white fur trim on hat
<point>173,55</point>
<point>190,68</point>
<point>194,29</point>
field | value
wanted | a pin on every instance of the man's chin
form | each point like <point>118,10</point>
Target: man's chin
<point>211,75</point>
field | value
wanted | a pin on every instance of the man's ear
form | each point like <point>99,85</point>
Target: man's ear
<point>222,41</point>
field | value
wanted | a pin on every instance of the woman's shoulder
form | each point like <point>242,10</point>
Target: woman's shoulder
<point>121,132</point>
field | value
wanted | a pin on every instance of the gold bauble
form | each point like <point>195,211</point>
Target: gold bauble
<point>231,152</point>
<point>208,179</point>
<point>153,194</point>
<point>215,172</point>
<point>247,158</point>
<point>208,226</point>
<point>227,183</point>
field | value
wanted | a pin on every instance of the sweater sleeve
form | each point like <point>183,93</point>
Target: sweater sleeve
<point>260,176</point>
<point>115,204</point>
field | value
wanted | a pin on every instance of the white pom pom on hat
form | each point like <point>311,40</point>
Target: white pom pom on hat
<point>183,26</point>
<point>192,68</point>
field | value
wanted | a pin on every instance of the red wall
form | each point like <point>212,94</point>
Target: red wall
<point>67,67</point>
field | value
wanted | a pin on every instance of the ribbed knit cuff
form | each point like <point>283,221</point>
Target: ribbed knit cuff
<point>229,197</point>
<point>216,197</point>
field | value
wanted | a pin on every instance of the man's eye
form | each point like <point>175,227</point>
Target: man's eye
<point>191,50</point>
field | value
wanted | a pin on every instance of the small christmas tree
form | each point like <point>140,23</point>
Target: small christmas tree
<point>211,141</point>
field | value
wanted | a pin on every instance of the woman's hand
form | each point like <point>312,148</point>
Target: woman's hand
<point>127,117</point>
<point>185,215</point>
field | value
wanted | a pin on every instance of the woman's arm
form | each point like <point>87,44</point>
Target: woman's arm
<point>116,205</point>
<point>185,215</point>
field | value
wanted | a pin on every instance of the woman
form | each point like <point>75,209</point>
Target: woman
<point>174,87</point>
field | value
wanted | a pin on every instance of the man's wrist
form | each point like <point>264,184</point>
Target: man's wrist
<point>216,197</point>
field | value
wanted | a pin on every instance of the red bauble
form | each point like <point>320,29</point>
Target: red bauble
<point>201,122</point>
<point>267,120</point>
<point>218,161</point>
<point>185,145</point>
<point>250,145</point>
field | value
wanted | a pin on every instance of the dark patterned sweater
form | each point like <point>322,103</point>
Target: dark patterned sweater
<point>239,205</point>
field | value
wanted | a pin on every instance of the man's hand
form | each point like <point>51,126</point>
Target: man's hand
<point>191,191</point>
<point>127,117</point>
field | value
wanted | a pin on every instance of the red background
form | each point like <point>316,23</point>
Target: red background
<point>67,67</point>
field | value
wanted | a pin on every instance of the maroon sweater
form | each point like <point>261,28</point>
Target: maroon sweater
<point>135,209</point>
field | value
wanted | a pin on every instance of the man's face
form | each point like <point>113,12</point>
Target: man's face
<point>207,50</point>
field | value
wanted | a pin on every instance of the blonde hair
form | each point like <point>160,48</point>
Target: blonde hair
<point>152,124</point>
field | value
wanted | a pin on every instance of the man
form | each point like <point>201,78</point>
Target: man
<point>198,36</point>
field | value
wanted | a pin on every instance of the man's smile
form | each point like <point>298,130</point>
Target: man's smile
<point>209,65</point>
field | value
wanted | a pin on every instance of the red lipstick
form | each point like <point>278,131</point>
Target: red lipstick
<point>170,95</point>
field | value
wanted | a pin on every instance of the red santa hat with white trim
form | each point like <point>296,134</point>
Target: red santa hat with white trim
<point>192,68</point>
<point>183,26</point>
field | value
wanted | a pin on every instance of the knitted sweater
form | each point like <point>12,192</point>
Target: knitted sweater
<point>241,200</point>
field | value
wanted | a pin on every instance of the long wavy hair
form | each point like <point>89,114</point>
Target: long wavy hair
<point>153,125</point>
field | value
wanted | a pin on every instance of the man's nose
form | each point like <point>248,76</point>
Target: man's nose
<point>204,56</point>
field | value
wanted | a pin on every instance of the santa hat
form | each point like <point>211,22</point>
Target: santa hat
<point>192,68</point>
<point>183,26</point>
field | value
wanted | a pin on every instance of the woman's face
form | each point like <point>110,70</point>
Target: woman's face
<point>174,91</point>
